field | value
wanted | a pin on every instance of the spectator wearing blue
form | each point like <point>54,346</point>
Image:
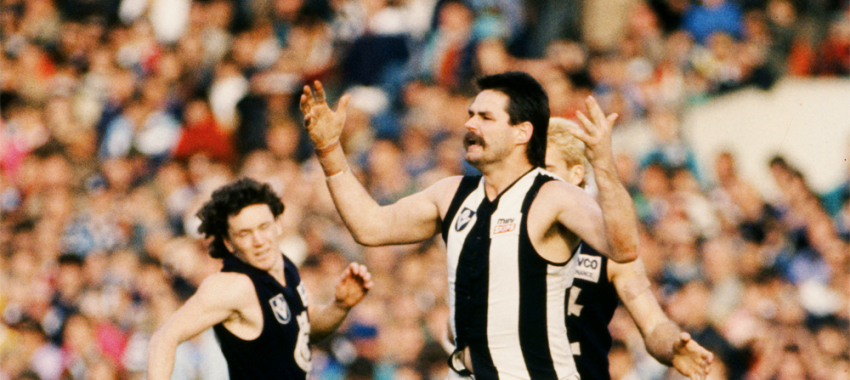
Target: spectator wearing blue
<point>712,16</point>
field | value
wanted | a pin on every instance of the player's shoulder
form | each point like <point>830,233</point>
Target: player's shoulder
<point>559,190</point>
<point>228,287</point>
<point>444,188</point>
<point>448,183</point>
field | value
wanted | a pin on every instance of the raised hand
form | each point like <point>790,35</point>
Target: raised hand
<point>323,124</point>
<point>595,134</point>
<point>353,286</point>
<point>691,359</point>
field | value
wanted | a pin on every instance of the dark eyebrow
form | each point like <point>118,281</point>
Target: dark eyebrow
<point>248,229</point>
<point>486,114</point>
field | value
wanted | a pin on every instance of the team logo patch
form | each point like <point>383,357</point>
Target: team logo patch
<point>504,225</point>
<point>464,218</point>
<point>280,309</point>
<point>589,268</point>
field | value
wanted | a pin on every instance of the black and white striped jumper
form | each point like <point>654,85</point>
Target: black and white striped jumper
<point>506,301</point>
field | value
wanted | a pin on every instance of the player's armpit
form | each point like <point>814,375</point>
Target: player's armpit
<point>218,298</point>
<point>577,211</point>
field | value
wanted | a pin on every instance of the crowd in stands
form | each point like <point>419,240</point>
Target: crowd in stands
<point>119,117</point>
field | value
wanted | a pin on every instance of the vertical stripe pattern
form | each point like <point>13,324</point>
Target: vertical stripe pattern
<point>507,302</point>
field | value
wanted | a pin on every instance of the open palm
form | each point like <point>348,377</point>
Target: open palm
<point>353,286</point>
<point>323,124</point>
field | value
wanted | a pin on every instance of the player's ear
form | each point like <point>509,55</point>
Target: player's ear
<point>523,132</point>
<point>228,245</point>
<point>278,223</point>
<point>576,174</point>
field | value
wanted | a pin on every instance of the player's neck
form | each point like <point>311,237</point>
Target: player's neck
<point>277,272</point>
<point>499,176</point>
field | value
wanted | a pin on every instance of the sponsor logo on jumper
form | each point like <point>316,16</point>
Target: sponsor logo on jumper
<point>589,267</point>
<point>280,309</point>
<point>463,219</point>
<point>504,225</point>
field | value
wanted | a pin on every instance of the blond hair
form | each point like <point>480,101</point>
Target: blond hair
<point>561,139</point>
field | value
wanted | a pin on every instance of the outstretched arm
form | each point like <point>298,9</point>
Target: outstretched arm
<point>411,219</point>
<point>618,211</point>
<point>664,340</point>
<point>352,287</point>
<point>217,299</point>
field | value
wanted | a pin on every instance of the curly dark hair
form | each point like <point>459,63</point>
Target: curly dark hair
<point>229,200</point>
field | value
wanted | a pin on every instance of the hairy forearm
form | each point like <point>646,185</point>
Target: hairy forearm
<point>326,320</point>
<point>411,219</point>
<point>358,210</point>
<point>661,340</point>
<point>659,333</point>
<point>618,212</point>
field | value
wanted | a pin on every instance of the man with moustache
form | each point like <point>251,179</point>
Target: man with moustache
<point>510,233</point>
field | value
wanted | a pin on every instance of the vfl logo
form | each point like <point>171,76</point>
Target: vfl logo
<point>465,216</point>
<point>504,226</point>
<point>280,309</point>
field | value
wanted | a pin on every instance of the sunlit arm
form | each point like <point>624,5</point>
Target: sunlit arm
<point>216,300</point>
<point>664,340</point>
<point>352,287</point>
<point>411,219</point>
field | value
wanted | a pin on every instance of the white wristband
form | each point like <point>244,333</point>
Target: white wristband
<point>337,174</point>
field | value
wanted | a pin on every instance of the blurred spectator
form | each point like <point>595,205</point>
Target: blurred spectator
<point>621,362</point>
<point>446,57</point>
<point>378,56</point>
<point>835,199</point>
<point>688,309</point>
<point>651,198</point>
<point>834,51</point>
<point>81,9</point>
<point>707,17</point>
<point>389,181</point>
<point>670,150</point>
<point>360,369</point>
<point>39,354</point>
<point>718,260</point>
<point>141,129</point>
<point>553,20</point>
<point>167,18</point>
<point>202,135</point>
